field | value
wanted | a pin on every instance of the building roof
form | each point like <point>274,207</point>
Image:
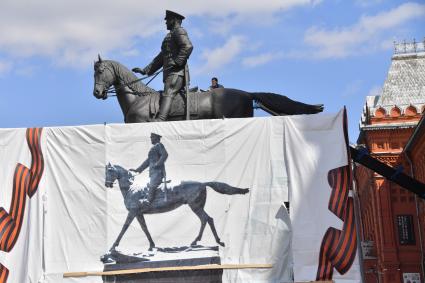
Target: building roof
<point>405,83</point>
<point>404,86</point>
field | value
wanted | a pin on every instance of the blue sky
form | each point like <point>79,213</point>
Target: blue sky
<point>316,51</point>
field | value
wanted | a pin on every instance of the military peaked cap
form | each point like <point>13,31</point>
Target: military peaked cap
<point>153,135</point>
<point>170,14</point>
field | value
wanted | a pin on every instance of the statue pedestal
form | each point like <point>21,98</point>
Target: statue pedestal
<point>183,276</point>
<point>194,276</point>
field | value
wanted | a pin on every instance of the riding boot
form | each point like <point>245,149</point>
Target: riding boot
<point>164,109</point>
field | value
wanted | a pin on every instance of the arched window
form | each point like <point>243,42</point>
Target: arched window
<point>395,112</point>
<point>380,112</point>
<point>410,111</point>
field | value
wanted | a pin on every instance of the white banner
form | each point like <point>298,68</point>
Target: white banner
<point>313,151</point>
<point>221,198</point>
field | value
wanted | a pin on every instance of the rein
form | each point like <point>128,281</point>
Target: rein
<point>113,90</point>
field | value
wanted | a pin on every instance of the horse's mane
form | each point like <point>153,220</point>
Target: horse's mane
<point>128,77</point>
<point>120,168</point>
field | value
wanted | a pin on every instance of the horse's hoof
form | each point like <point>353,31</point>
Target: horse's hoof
<point>221,243</point>
<point>193,244</point>
<point>151,248</point>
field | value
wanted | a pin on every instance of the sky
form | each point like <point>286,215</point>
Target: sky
<point>333,52</point>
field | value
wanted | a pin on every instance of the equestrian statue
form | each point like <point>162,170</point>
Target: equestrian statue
<point>140,103</point>
<point>191,193</point>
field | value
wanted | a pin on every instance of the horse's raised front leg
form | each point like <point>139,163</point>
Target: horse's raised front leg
<point>142,222</point>
<point>130,218</point>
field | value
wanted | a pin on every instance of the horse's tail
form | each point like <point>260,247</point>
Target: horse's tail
<point>279,105</point>
<point>226,189</point>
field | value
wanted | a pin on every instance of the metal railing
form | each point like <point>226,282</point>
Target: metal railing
<point>409,47</point>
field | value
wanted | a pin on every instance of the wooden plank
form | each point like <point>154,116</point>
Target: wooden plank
<point>171,268</point>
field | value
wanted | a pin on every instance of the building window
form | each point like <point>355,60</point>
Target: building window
<point>406,232</point>
<point>411,111</point>
<point>380,112</point>
<point>395,112</point>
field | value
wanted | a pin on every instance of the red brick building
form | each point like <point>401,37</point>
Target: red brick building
<point>392,222</point>
<point>414,153</point>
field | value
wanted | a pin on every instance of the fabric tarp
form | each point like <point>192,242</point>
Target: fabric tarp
<point>73,219</point>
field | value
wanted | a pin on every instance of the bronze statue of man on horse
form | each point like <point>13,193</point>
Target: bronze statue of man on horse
<point>140,103</point>
<point>175,51</point>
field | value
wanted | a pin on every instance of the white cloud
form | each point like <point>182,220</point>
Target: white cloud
<point>219,57</point>
<point>363,36</point>
<point>224,8</point>
<point>73,32</point>
<point>70,32</point>
<point>261,59</point>
<point>130,52</point>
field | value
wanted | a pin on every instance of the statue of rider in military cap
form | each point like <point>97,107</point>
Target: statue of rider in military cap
<point>175,51</point>
<point>156,158</point>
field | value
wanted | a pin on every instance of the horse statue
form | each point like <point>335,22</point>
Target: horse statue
<point>140,103</point>
<point>191,193</point>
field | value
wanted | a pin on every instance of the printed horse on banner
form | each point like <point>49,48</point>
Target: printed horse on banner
<point>191,193</point>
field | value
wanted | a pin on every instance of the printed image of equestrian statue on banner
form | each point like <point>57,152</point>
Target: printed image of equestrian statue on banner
<point>156,197</point>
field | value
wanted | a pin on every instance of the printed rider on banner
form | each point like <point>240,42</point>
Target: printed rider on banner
<point>156,158</point>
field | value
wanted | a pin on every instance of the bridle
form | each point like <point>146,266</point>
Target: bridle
<point>102,68</point>
<point>110,178</point>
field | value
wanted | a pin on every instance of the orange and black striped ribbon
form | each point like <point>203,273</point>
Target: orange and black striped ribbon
<point>338,248</point>
<point>25,182</point>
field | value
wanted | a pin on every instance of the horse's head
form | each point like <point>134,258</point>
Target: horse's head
<point>111,174</point>
<point>116,172</point>
<point>103,78</point>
